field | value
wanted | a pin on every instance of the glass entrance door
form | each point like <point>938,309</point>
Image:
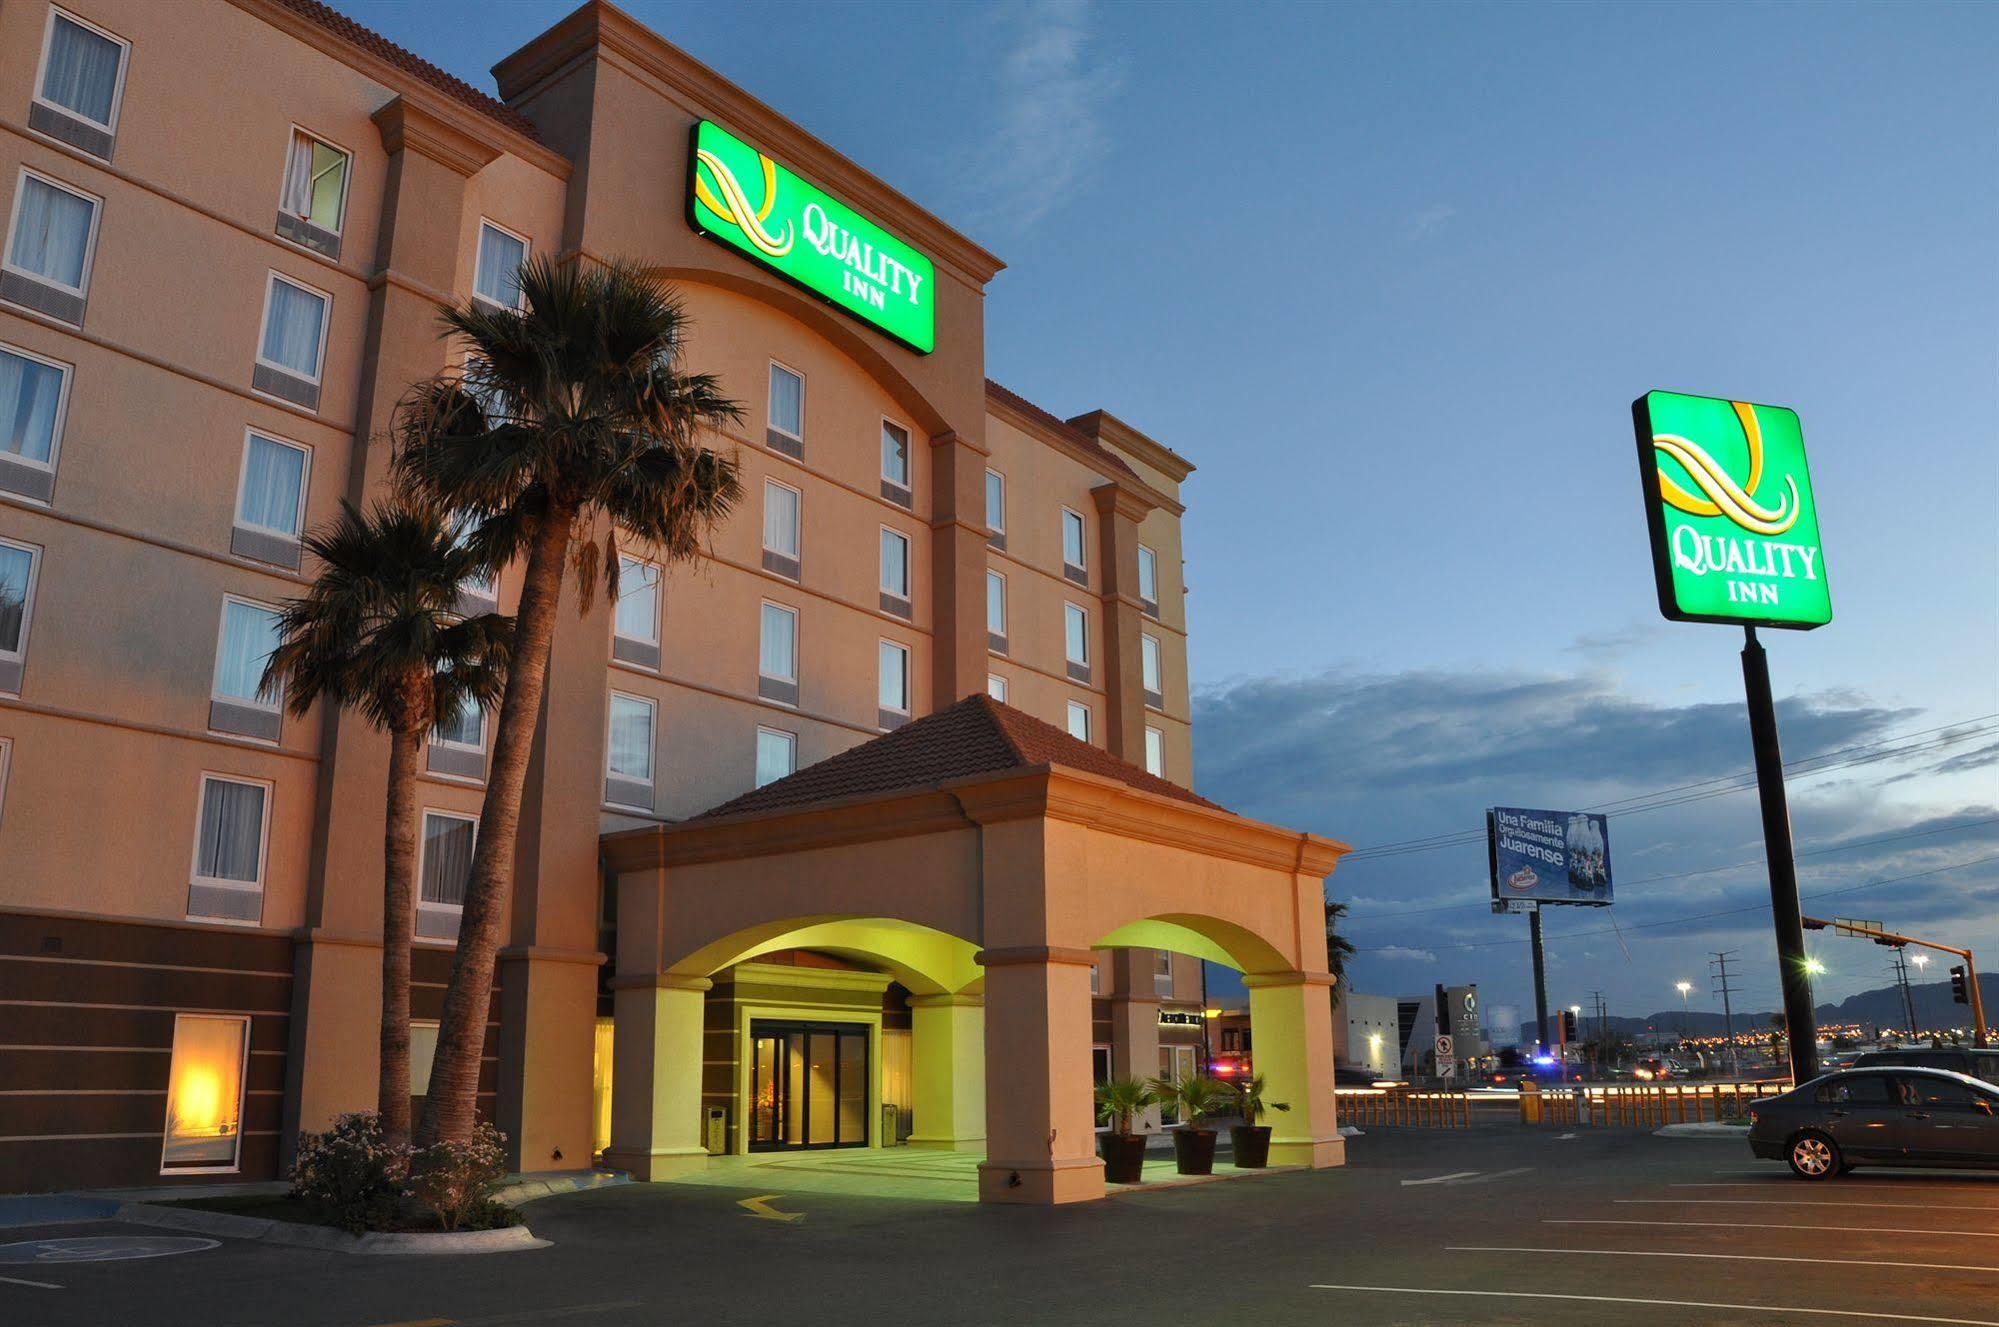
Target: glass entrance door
<point>808,1085</point>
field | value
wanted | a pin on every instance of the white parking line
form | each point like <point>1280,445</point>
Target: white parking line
<point>1788,1202</point>
<point>1770,1225</point>
<point>39,1285</point>
<point>1667,1303</point>
<point>1440,1179</point>
<point>1727,1257</point>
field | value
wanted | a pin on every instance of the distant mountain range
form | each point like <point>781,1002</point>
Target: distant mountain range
<point>1881,1007</point>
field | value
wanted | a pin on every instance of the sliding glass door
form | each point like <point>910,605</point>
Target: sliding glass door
<point>808,1085</point>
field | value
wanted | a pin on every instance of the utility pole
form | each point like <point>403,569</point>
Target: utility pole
<point>1792,977</point>
<point>1540,974</point>
<point>1718,969</point>
<point>1901,971</point>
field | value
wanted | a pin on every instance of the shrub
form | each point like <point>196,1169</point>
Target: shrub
<point>350,1175</point>
<point>455,1180</point>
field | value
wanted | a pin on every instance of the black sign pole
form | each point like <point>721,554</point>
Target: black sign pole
<point>1800,1024</point>
<point>1540,974</point>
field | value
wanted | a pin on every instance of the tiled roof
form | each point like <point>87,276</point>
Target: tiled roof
<point>1060,427</point>
<point>409,62</point>
<point>978,735</point>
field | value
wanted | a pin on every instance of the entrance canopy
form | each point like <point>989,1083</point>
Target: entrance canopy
<point>981,856</point>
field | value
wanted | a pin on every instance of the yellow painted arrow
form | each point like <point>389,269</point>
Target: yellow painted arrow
<point>761,1207</point>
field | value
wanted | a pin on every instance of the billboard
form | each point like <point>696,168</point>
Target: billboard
<point>1548,856</point>
<point>1728,500</point>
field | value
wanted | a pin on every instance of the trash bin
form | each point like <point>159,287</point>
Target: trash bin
<point>891,1124</point>
<point>715,1130</point>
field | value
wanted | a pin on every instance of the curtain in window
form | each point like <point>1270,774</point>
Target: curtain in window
<point>774,759</point>
<point>272,476</point>
<point>631,739</point>
<point>297,198</point>
<point>781,520</point>
<point>249,634</point>
<point>779,654</point>
<point>447,859</point>
<point>1072,539</point>
<point>1077,643</point>
<point>787,401</point>
<point>995,604</point>
<point>232,831</point>
<point>500,259</point>
<point>995,502</point>
<point>638,600</point>
<point>292,327</point>
<point>52,232</point>
<point>1148,649</point>
<point>895,455</point>
<point>1079,721</point>
<point>1148,575</point>
<point>82,74</point>
<point>15,564</point>
<point>28,394</point>
<point>895,564</point>
<point>315,181</point>
<point>466,727</point>
<point>894,678</point>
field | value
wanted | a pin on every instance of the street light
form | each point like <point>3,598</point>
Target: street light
<point>1683,987</point>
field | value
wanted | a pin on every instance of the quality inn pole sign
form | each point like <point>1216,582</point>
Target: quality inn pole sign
<point>1735,529</point>
<point>740,198</point>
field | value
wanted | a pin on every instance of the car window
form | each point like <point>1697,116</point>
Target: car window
<point>1860,1090</point>
<point>1936,1092</point>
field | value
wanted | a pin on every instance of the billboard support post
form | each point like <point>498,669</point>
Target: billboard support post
<point>1800,1023</point>
<point>1540,976</point>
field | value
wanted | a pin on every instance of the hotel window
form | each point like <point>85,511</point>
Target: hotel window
<point>628,758</point>
<point>1162,969</point>
<point>894,685</point>
<point>1075,559</point>
<point>781,510</point>
<point>1155,753</point>
<point>18,565</point>
<point>777,654</point>
<point>290,353</point>
<point>1148,580</point>
<point>479,592</point>
<point>895,574</point>
<point>270,500</point>
<point>996,612</point>
<point>996,509</point>
<point>895,464</point>
<point>497,277</point>
<point>787,411</point>
<point>228,879</point>
<point>1076,641</point>
<point>777,755</point>
<point>996,687</point>
<point>458,744</point>
<point>313,203</point>
<point>1079,721</point>
<point>82,81</point>
<point>51,238</point>
<point>1149,672</point>
<point>237,703</point>
<point>635,638</point>
<point>204,1128</point>
<point>448,841</point>
<point>33,394</point>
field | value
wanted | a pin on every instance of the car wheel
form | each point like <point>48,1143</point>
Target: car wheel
<point>1813,1156</point>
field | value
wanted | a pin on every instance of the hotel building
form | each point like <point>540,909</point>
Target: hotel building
<point>227,232</point>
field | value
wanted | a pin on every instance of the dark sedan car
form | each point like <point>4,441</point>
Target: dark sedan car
<point>1868,1117</point>
<point>1979,1063</point>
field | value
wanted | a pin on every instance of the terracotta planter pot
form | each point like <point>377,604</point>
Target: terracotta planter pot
<point>1124,1157</point>
<point>1251,1144</point>
<point>1194,1149</point>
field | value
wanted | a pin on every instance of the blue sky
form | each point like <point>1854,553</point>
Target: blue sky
<point>1390,276</point>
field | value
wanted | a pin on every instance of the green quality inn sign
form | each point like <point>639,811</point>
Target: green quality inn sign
<point>1735,530</point>
<point>739,197</point>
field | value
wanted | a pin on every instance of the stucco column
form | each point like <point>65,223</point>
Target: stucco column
<point>1290,1018</point>
<point>957,568</point>
<point>1135,1024</point>
<point>948,1064</point>
<point>1041,1138</point>
<point>656,1077</point>
<point>1119,511</point>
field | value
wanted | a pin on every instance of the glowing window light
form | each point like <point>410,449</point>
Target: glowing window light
<point>205,1093</point>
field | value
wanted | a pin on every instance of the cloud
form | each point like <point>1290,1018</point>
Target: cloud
<point>1605,645</point>
<point>1048,129</point>
<point>1430,220</point>
<point>1394,952</point>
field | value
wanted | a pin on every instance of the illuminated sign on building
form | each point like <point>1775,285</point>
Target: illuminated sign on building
<point>1178,1018</point>
<point>739,197</point>
<point>1728,497</point>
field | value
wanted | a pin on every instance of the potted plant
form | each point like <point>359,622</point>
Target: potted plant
<point>1249,1140</point>
<point>1193,1097</point>
<point>1123,1099</point>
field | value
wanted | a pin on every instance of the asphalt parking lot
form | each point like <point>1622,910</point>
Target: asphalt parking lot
<point>1494,1224</point>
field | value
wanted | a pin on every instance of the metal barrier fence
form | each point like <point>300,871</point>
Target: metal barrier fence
<point>1642,1105</point>
<point>1416,1109</point>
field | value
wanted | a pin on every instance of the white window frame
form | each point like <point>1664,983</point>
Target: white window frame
<point>658,576</point>
<point>908,481</point>
<point>243,478</point>
<point>908,590</point>
<point>1148,554</point>
<point>908,679</point>
<point>423,855</point>
<point>273,706</point>
<point>6,758</point>
<point>796,625</point>
<point>770,421</point>
<point>1067,609</point>
<point>1083,542</point>
<point>1001,476</point>
<point>1089,732</point>
<point>1150,651</point>
<point>325,320</point>
<point>68,372</point>
<point>1155,752</point>
<point>527,252</point>
<point>996,687</point>
<point>42,69</point>
<point>651,780</point>
<point>89,244</point>
<point>19,653</point>
<point>450,744</point>
<point>235,1165</point>
<point>346,183</point>
<point>999,576</point>
<point>194,875</point>
<point>798,529</point>
<point>791,742</point>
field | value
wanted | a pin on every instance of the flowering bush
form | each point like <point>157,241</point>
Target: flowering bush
<point>351,1175</point>
<point>455,1180</point>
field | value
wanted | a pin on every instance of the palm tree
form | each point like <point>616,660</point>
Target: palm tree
<point>377,633</point>
<point>572,414</point>
<point>1338,948</point>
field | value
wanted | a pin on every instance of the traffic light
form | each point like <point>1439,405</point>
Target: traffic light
<point>1568,1025</point>
<point>1958,991</point>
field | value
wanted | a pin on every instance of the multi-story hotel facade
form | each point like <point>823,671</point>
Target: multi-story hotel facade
<point>229,226</point>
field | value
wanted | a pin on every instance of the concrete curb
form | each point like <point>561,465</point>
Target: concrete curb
<point>1703,1130</point>
<point>231,1226</point>
<point>527,1189</point>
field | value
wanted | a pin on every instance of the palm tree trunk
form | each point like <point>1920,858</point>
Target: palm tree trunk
<point>398,895</point>
<point>450,1109</point>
